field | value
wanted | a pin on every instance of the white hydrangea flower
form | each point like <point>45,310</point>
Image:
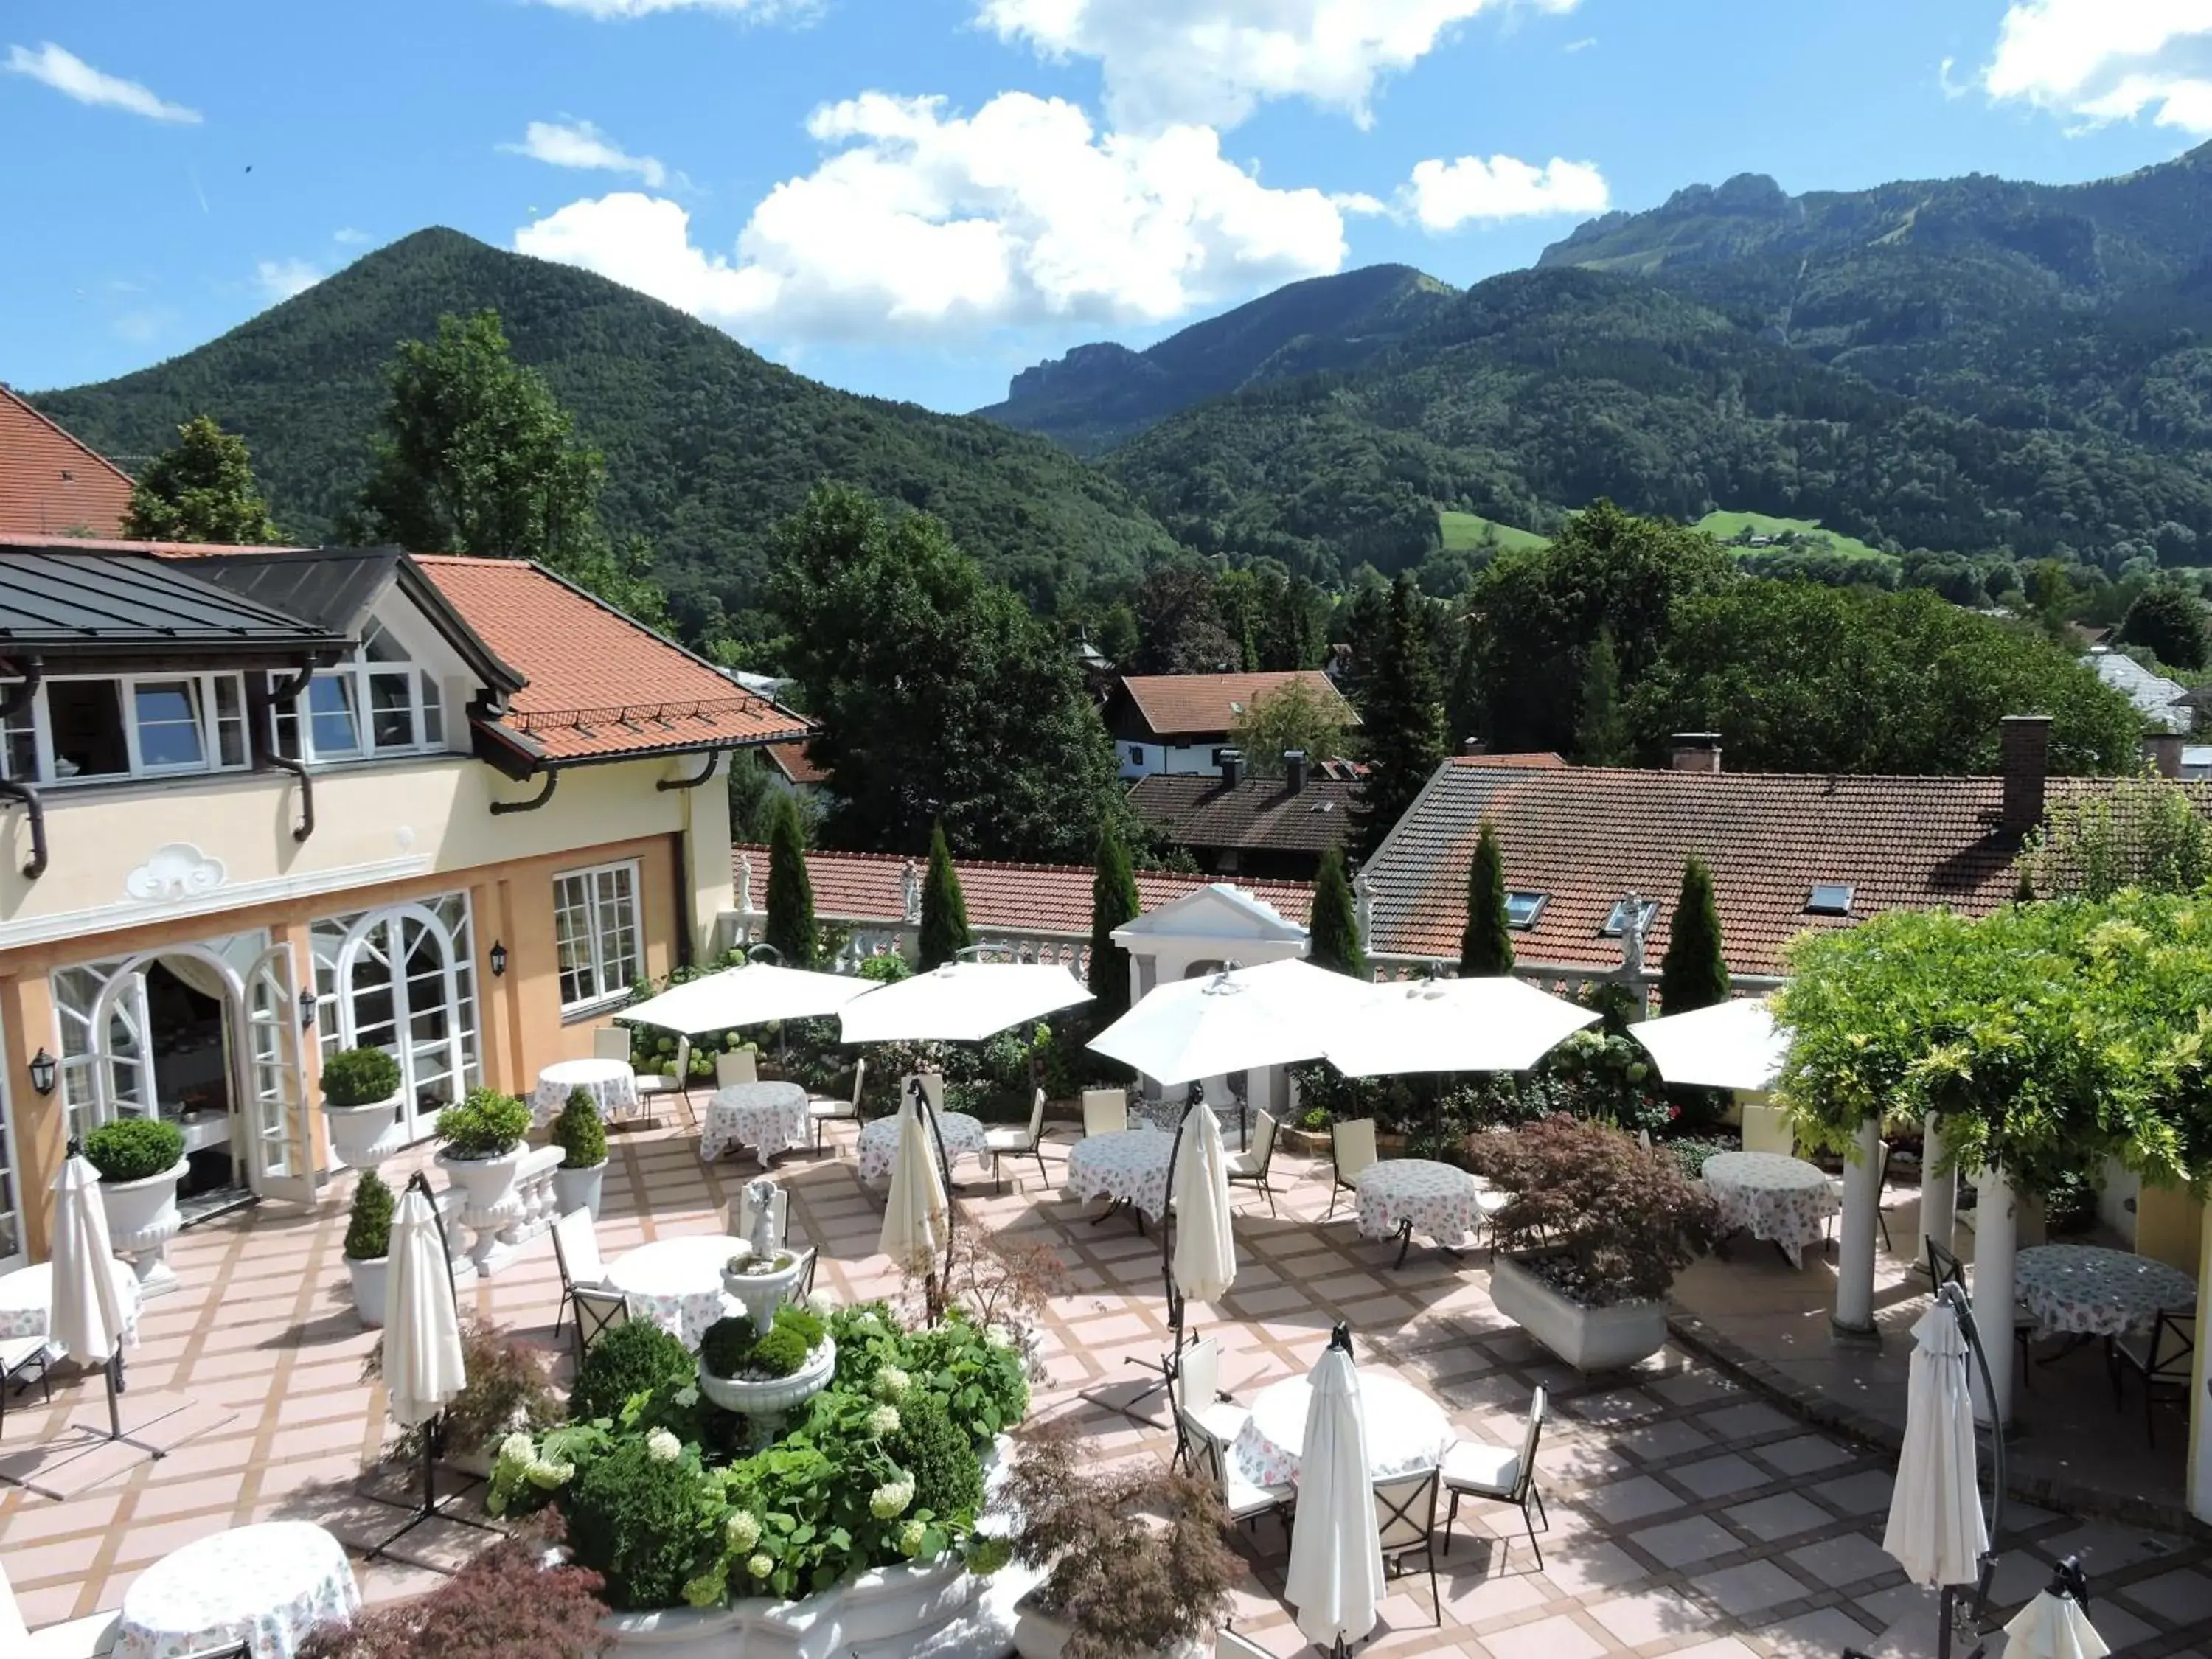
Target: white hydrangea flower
<point>687,1397</point>
<point>760,1566</point>
<point>891,1500</point>
<point>821,1303</point>
<point>910,1538</point>
<point>743,1530</point>
<point>517,1448</point>
<point>548,1475</point>
<point>663,1447</point>
<point>891,1383</point>
<point>998,1335</point>
<point>883,1421</point>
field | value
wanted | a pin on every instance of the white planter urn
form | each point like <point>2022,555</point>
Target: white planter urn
<point>369,1281</point>
<point>364,1136</point>
<point>1041,1635</point>
<point>578,1190</point>
<point>1589,1338</point>
<point>142,1219</point>
<point>764,1292</point>
<point>487,1184</point>
<point>763,1397</point>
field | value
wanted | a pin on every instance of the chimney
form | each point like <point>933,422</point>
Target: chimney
<point>1294,768</point>
<point>1232,762</point>
<point>1697,752</point>
<point>2163,750</point>
<point>1472,747</point>
<point>2024,761</point>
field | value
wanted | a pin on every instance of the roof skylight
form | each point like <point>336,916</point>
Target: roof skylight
<point>1522,910</point>
<point>1830,898</point>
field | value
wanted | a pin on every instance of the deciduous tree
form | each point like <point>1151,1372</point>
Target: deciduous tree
<point>1485,947</point>
<point>2169,624</point>
<point>1179,625</point>
<point>1294,715</point>
<point>200,489</point>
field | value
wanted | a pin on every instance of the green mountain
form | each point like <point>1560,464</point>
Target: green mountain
<point>707,444</point>
<point>1099,394</point>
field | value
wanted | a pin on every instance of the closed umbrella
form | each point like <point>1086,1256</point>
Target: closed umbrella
<point>752,995</point>
<point>1238,1020</point>
<point>1487,1025</point>
<point>1205,1260</point>
<point>2055,1624</point>
<point>961,1002</point>
<point>87,1317</point>
<point>1730,1045</point>
<point>423,1365</point>
<point>1335,1579</point>
<point>916,1215</point>
<point>1936,1527</point>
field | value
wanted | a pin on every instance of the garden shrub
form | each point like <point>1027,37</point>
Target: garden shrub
<point>504,1602</point>
<point>486,1124</point>
<point>779,1353</point>
<point>948,1476</point>
<point>509,1390</point>
<point>726,1345</point>
<point>637,1517</point>
<point>369,1226</point>
<point>135,1148</point>
<point>360,1077</point>
<point>580,1133</point>
<point>731,1347</point>
<point>632,1358</point>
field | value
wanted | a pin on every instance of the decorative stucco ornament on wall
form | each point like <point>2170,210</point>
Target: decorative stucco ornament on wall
<point>178,870</point>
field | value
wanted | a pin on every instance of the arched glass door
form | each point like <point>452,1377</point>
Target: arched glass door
<point>403,980</point>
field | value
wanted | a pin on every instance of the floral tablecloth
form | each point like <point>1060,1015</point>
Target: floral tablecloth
<point>27,1300</point>
<point>1443,1203</point>
<point>676,1283</point>
<point>1129,1166</point>
<point>1784,1200</point>
<point>2080,1290</point>
<point>1406,1428</point>
<point>267,1585</point>
<point>769,1117</point>
<point>611,1082</point>
<point>963,1138</point>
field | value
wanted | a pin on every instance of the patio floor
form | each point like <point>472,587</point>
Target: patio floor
<point>1688,1515</point>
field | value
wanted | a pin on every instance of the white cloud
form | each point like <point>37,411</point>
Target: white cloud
<point>1167,62</point>
<point>581,144</point>
<point>926,222</point>
<point>2107,60</point>
<point>1446,195</point>
<point>606,10</point>
<point>71,76</point>
<point>347,236</point>
<point>280,279</point>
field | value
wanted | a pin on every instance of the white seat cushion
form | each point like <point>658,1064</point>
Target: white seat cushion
<point>652,1083</point>
<point>1007,1140</point>
<point>1245,1498</point>
<point>1224,1421</point>
<point>823,1106</point>
<point>1241,1163</point>
<point>81,1638</point>
<point>17,1351</point>
<point>1474,1465</point>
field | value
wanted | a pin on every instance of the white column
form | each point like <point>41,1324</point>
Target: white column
<point>1855,1232</point>
<point>1939,1194</point>
<point>2200,1402</point>
<point>1996,1245</point>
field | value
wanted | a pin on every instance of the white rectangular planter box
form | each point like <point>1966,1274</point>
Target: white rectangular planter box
<point>1589,1338</point>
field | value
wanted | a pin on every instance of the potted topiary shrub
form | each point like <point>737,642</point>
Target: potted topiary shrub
<point>368,1245</point>
<point>1137,1558</point>
<point>1593,1231</point>
<point>140,1160</point>
<point>484,1147</point>
<point>360,1106</point>
<point>581,1135</point>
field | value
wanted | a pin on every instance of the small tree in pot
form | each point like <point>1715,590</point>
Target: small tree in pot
<point>1594,1230</point>
<point>581,1135</point>
<point>368,1245</point>
<point>360,1106</point>
<point>484,1139</point>
<point>140,1160</point>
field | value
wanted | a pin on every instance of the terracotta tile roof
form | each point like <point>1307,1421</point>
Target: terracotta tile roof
<point>1543,759</point>
<point>1584,836</point>
<point>1003,898</point>
<point>795,763</point>
<point>599,684</point>
<point>1259,813</point>
<point>50,482</point>
<point>1190,706</point>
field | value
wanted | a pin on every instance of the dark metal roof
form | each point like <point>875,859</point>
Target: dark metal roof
<point>52,600</point>
<point>334,588</point>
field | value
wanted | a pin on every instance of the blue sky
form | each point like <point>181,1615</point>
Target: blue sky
<point>915,197</point>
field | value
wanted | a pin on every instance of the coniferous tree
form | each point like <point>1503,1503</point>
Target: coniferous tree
<point>790,926</point>
<point>1601,724</point>
<point>1113,901</point>
<point>1401,715</point>
<point>1693,974</point>
<point>1486,949</point>
<point>1334,930</point>
<point>944,910</point>
<point>201,489</point>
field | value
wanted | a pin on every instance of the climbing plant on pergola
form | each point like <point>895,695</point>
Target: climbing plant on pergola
<point>2046,1037</point>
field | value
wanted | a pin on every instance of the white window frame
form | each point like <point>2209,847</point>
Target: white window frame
<point>359,673</point>
<point>206,718</point>
<point>602,994</point>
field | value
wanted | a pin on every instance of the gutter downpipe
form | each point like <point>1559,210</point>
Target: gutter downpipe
<point>15,701</point>
<point>686,952</point>
<point>288,694</point>
<point>501,808</point>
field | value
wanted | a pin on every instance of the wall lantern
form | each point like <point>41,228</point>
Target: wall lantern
<point>498,960</point>
<point>307,1009</point>
<point>42,1072</point>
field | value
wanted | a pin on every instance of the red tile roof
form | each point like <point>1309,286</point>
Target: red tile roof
<point>795,763</point>
<point>1003,898</point>
<point>1258,814</point>
<point>1584,836</point>
<point>51,484</point>
<point>1189,706</point>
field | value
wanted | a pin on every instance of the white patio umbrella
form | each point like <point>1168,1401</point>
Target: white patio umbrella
<point>1936,1528</point>
<point>1335,1579</point>
<point>1204,1262</point>
<point>423,1365</point>
<point>87,1316</point>
<point>1730,1045</point>
<point>916,1214</point>
<point>961,1002</point>
<point>1238,1020</point>
<point>2054,1625</point>
<point>751,995</point>
<point>1486,1024</point>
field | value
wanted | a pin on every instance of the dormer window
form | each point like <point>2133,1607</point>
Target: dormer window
<point>1616,921</point>
<point>83,728</point>
<point>379,703</point>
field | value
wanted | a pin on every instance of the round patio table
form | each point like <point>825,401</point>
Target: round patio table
<point>2082,1290</point>
<point>27,1302</point>
<point>769,1117</point>
<point>1406,1428</point>
<point>676,1283</point>
<point>266,1585</point>
<point>1401,1196</point>
<point>1784,1200</point>
<point>1129,1166</point>
<point>963,1138</point>
<point>611,1082</point>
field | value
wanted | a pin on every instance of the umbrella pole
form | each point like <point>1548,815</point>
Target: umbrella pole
<point>1962,1307</point>
<point>936,1292</point>
<point>112,1373</point>
<point>1170,1364</point>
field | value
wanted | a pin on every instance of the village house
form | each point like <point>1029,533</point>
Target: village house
<point>1236,825</point>
<point>1175,722</point>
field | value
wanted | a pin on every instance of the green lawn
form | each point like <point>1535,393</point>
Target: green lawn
<point>1724,526</point>
<point>1465,530</point>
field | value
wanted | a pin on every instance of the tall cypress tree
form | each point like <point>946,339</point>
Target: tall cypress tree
<point>1693,974</point>
<point>944,910</point>
<point>790,926</point>
<point>1601,724</point>
<point>1486,949</point>
<point>1113,901</point>
<point>1334,929</point>
<point>1401,715</point>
